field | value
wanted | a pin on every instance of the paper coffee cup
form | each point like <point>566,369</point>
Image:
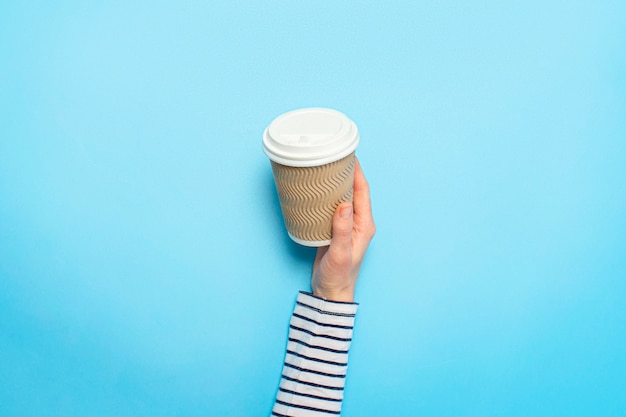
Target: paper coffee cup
<point>312,156</point>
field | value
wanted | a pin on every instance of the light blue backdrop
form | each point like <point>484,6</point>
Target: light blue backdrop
<point>144,269</point>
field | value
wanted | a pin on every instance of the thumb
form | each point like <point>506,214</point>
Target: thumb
<point>341,241</point>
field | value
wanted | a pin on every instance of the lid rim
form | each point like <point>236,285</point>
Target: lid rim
<point>302,163</point>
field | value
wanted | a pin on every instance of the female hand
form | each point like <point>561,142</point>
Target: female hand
<point>336,267</point>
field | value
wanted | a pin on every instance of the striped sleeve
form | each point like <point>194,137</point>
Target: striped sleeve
<point>314,372</point>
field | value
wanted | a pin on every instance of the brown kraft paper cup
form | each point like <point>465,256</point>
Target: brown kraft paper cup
<point>309,197</point>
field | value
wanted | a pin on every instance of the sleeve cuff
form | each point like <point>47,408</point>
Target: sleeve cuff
<point>327,306</point>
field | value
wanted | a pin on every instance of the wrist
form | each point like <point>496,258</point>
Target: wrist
<point>344,296</point>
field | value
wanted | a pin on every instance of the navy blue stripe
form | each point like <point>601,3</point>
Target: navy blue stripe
<point>304,407</point>
<point>311,384</point>
<point>336,326</point>
<point>339,339</point>
<point>310,371</point>
<point>324,312</point>
<point>310,396</point>
<point>300,355</point>
<point>274,413</point>
<point>291,339</point>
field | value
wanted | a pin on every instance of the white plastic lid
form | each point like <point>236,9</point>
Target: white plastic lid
<point>310,137</point>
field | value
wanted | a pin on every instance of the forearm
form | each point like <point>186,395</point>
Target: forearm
<point>313,378</point>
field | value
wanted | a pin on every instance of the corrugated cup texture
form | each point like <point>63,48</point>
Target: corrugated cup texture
<point>309,196</point>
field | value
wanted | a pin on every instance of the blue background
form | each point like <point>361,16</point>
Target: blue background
<point>144,268</point>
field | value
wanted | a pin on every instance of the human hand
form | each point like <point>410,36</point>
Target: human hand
<point>336,267</point>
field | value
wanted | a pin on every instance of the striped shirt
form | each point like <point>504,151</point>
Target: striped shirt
<point>314,372</point>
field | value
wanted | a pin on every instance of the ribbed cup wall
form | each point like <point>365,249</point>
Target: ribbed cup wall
<point>309,196</point>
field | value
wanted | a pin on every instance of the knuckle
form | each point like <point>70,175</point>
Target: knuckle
<point>370,229</point>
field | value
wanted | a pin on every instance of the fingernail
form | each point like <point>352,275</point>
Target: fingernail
<point>346,212</point>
